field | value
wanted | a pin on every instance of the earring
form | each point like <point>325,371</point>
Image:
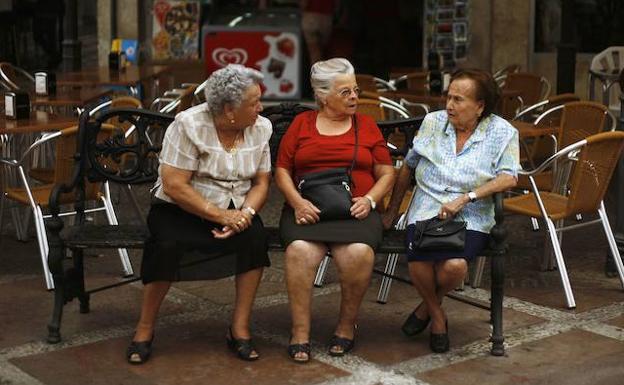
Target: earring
<point>232,121</point>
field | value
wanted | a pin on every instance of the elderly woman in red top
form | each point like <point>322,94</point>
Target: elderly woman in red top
<point>316,141</point>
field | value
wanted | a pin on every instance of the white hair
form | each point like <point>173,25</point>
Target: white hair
<point>227,86</point>
<point>323,73</point>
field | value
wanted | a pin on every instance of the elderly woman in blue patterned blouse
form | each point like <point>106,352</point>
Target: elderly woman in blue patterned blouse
<point>461,156</point>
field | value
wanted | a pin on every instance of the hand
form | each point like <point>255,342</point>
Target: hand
<point>224,233</point>
<point>450,209</point>
<point>235,220</point>
<point>306,213</point>
<point>361,207</point>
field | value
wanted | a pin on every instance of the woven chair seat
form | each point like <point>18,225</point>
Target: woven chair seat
<point>555,205</point>
<point>105,236</point>
<point>45,175</point>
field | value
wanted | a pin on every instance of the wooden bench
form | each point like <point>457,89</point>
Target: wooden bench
<point>125,161</point>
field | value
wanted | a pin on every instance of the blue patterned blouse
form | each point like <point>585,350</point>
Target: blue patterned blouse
<point>442,175</point>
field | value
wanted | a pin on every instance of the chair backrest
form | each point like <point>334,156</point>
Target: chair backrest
<point>580,120</point>
<point>371,107</point>
<point>15,78</point>
<point>503,72</point>
<point>551,116</point>
<point>414,81</point>
<point>593,171</point>
<point>533,88</point>
<point>610,60</point>
<point>366,82</point>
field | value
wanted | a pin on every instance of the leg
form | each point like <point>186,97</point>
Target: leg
<point>423,278</point>
<point>239,337</point>
<point>355,266</point>
<point>153,295</point>
<point>449,274</point>
<point>302,260</point>
<point>246,287</point>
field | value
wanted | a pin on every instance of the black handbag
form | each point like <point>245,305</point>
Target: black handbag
<point>439,235</point>
<point>330,190</point>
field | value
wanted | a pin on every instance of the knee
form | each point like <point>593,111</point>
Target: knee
<point>456,267</point>
<point>354,260</point>
<point>301,253</point>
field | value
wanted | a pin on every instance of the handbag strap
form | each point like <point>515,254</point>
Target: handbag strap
<point>355,129</point>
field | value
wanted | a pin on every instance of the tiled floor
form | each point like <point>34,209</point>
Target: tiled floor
<point>546,343</point>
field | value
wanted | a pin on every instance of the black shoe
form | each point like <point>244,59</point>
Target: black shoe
<point>414,325</point>
<point>139,351</point>
<point>243,348</point>
<point>439,342</point>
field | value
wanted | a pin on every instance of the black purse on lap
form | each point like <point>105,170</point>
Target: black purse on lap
<point>330,190</point>
<point>439,235</point>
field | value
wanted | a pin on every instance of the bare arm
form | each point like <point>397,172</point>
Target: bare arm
<point>177,186</point>
<point>502,182</point>
<point>398,192</point>
<point>257,195</point>
<point>384,176</point>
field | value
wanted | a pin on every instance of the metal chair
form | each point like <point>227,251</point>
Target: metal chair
<point>372,83</point>
<point>590,162</point>
<point>606,66</point>
<point>15,78</point>
<point>532,88</point>
<point>37,196</point>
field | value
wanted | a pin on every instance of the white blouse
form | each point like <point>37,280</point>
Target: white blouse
<point>191,143</point>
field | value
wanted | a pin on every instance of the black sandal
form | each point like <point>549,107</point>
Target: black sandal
<point>139,351</point>
<point>293,349</point>
<point>243,348</point>
<point>345,344</point>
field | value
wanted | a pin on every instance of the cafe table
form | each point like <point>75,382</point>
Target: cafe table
<point>67,99</point>
<point>130,77</point>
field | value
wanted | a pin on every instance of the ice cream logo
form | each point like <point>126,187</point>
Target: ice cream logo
<point>161,8</point>
<point>224,56</point>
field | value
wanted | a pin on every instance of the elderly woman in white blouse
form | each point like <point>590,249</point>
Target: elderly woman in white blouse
<point>213,178</point>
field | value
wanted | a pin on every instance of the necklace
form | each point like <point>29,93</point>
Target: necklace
<point>230,148</point>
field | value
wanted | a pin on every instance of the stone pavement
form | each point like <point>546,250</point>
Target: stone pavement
<point>546,344</point>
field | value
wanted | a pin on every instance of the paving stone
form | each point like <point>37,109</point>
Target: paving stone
<point>575,357</point>
<point>379,338</point>
<point>619,322</point>
<point>193,354</point>
<point>26,309</point>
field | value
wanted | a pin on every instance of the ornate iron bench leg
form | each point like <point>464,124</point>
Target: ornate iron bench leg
<point>55,263</point>
<point>77,281</point>
<point>498,235</point>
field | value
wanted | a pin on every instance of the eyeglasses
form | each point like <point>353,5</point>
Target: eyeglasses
<point>346,92</point>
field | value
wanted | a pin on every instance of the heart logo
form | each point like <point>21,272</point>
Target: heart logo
<point>224,56</point>
<point>161,8</point>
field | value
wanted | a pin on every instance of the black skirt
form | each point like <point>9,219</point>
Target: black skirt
<point>182,248</point>
<point>475,242</point>
<point>368,230</point>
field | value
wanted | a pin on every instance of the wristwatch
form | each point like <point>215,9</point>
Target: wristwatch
<point>372,201</point>
<point>472,196</point>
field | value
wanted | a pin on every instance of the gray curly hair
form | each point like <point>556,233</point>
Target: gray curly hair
<point>323,73</point>
<point>227,85</point>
